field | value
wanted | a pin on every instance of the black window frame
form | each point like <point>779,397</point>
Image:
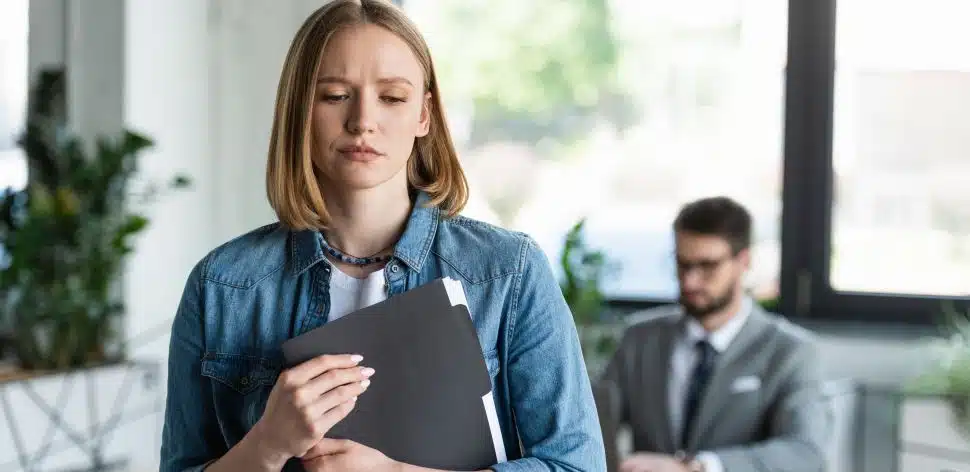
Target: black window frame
<point>808,190</point>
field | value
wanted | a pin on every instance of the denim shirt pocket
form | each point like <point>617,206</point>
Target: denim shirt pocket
<point>242,384</point>
<point>242,373</point>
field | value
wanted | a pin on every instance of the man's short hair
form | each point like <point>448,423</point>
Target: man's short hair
<point>717,216</point>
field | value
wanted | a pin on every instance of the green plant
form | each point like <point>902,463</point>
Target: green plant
<point>769,304</point>
<point>950,375</point>
<point>65,237</point>
<point>583,272</point>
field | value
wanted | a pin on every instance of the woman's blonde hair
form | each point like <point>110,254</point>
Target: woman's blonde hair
<point>291,182</point>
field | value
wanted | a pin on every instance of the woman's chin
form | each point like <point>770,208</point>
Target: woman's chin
<point>365,179</point>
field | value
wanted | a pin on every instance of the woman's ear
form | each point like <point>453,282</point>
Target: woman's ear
<point>424,122</point>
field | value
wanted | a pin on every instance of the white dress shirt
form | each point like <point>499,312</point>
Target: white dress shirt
<point>682,362</point>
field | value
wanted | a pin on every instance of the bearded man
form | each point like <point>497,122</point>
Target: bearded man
<point>715,383</point>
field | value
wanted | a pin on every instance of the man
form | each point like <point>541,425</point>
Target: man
<point>715,383</point>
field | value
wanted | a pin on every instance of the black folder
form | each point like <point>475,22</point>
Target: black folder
<point>430,401</point>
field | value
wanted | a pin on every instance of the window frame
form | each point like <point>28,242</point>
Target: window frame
<point>808,195</point>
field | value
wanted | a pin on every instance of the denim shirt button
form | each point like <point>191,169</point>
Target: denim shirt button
<point>394,268</point>
<point>244,380</point>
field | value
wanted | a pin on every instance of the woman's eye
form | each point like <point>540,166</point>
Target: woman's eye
<point>391,99</point>
<point>335,98</point>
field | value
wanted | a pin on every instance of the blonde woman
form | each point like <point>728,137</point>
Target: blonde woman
<point>366,183</point>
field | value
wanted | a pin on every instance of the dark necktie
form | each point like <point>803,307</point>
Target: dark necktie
<point>695,390</point>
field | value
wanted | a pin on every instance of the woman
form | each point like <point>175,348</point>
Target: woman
<point>366,183</point>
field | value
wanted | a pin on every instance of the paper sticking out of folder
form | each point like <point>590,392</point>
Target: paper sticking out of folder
<point>430,402</point>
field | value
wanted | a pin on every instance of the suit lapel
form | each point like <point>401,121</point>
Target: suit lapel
<point>660,410</point>
<point>717,393</point>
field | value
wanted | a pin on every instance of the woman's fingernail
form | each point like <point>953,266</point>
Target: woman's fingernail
<point>364,383</point>
<point>367,371</point>
<point>356,357</point>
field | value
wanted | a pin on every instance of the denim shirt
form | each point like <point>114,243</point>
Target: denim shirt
<point>249,295</point>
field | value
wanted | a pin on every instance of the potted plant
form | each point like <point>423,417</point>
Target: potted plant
<point>65,237</point>
<point>584,270</point>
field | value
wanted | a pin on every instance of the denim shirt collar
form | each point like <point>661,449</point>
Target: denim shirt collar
<point>412,249</point>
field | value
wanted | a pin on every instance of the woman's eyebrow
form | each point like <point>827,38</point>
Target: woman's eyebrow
<point>328,79</point>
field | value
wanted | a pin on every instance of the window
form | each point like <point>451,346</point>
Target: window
<point>13,91</point>
<point>876,163</point>
<point>901,215</point>
<point>846,132</point>
<point>620,111</point>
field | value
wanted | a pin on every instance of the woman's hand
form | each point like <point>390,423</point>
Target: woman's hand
<point>341,455</point>
<point>306,402</point>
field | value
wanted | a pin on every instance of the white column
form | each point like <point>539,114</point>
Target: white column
<point>167,97</point>
<point>249,40</point>
<point>94,54</point>
<point>46,35</point>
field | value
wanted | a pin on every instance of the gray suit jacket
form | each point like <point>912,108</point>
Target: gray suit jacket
<point>781,426</point>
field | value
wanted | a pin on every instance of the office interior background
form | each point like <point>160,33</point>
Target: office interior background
<point>842,125</point>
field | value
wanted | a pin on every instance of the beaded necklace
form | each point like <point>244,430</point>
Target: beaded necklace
<point>354,260</point>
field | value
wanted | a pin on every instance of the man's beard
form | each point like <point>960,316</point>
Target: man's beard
<point>716,304</point>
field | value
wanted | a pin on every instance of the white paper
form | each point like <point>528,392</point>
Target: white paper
<point>456,293</point>
<point>494,427</point>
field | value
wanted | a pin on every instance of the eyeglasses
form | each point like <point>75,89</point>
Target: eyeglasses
<point>707,267</point>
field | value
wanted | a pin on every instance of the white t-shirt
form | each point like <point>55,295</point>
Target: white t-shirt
<point>349,294</point>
